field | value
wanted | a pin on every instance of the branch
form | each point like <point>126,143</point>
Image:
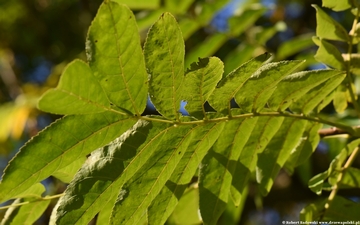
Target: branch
<point>332,131</point>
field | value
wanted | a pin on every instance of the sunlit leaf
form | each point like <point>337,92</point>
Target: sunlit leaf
<point>91,189</point>
<point>78,92</point>
<point>230,85</point>
<point>328,28</point>
<point>26,214</point>
<point>116,58</point>
<point>340,99</point>
<point>137,194</point>
<point>256,91</point>
<point>328,54</point>
<point>297,85</point>
<point>350,178</point>
<point>167,199</point>
<point>201,79</point>
<point>164,55</point>
<point>83,134</point>
<point>337,5</point>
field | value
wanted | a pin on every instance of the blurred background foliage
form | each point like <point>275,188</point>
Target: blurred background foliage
<point>39,37</point>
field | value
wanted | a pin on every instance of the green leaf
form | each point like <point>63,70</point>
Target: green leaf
<point>274,156</point>
<point>107,169</point>
<point>336,210</point>
<point>166,201</point>
<point>164,54</point>
<point>354,61</point>
<point>200,82</point>
<point>68,139</point>
<point>264,130</point>
<point>337,5</point>
<point>328,54</point>
<point>27,214</point>
<point>317,182</point>
<point>218,167</point>
<point>137,194</point>
<point>104,215</point>
<point>67,173</point>
<point>316,95</point>
<point>339,160</point>
<point>35,191</point>
<point>78,92</point>
<point>140,4</point>
<point>350,178</point>
<point>328,28</point>
<point>296,85</point>
<point>306,147</point>
<point>326,101</point>
<point>186,212</point>
<point>230,85</point>
<point>256,91</point>
<point>340,99</point>
<point>116,58</point>
<point>313,211</point>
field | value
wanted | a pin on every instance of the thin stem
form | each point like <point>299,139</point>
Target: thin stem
<point>348,72</point>
<point>335,188</point>
<point>46,198</point>
<point>343,127</point>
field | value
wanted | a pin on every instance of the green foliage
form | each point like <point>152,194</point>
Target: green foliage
<point>243,126</point>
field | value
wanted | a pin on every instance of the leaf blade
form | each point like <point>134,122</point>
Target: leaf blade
<point>229,86</point>
<point>218,167</point>
<point>78,92</point>
<point>116,58</point>
<point>257,90</point>
<point>119,160</point>
<point>167,199</point>
<point>138,193</point>
<point>328,28</point>
<point>199,83</point>
<point>98,130</point>
<point>164,52</point>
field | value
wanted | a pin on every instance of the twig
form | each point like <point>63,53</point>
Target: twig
<point>334,131</point>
